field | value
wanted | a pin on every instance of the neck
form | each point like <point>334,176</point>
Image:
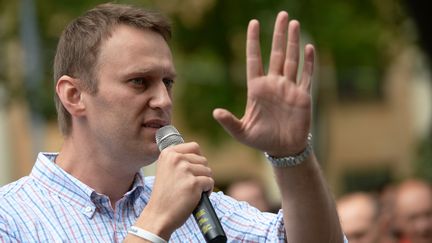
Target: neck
<point>98,170</point>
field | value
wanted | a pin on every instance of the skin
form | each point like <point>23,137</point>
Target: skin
<point>358,216</point>
<point>413,211</point>
<point>277,120</point>
<point>124,116</point>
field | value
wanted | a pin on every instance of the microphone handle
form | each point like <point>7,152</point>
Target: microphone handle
<point>208,221</point>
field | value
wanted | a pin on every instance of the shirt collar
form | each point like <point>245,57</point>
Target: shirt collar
<point>72,190</point>
<point>136,193</point>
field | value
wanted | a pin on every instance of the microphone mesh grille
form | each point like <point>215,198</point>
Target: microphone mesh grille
<point>167,136</point>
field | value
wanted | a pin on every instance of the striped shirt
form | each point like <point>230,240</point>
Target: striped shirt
<point>51,205</point>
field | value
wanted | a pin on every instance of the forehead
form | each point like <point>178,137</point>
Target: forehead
<point>356,214</point>
<point>414,200</point>
<point>130,49</point>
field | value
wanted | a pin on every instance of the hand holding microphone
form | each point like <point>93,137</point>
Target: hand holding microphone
<point>182,177</point>
<point>203,213</point>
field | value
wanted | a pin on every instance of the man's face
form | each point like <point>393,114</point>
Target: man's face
<point>414,214</point>
<point>134,74</point>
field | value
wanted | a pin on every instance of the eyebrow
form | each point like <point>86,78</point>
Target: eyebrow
<point>165,72</point>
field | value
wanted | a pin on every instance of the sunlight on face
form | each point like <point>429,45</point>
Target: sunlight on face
<point>135,75</point>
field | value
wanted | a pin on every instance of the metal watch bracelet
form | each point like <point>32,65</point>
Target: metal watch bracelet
<point>294,160</point>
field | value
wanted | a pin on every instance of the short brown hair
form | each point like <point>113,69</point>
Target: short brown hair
<point>79,45</point>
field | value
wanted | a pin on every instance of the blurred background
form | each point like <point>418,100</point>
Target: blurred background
<point>372,85</point>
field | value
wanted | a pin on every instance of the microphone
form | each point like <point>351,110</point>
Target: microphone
<point>204,213</point>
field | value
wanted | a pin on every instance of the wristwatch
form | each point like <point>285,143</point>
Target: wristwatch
<point>294,160</point>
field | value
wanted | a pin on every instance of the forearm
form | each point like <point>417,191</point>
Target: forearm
<point>309,210</point>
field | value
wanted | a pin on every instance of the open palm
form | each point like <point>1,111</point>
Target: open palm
<point>278,110</point>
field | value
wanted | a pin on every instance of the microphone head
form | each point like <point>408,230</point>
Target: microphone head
<point>167,136</point>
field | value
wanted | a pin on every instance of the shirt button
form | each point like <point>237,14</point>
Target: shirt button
<point>88,209</point>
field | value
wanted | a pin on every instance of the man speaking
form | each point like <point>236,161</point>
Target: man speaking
<point>114,74</point>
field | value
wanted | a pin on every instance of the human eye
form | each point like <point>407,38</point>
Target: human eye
<point>168,83</point>
<point>138,82</point>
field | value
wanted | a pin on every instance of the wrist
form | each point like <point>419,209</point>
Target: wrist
<point>292,160</point>
<point>153,223</point>
<point>145,235</point>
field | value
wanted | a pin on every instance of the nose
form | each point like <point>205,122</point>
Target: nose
<point>161,97</point>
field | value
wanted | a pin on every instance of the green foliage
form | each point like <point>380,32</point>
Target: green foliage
<point>423,165</point>
<point>211,57</point>
<point>352,37</point>
<point>353,34</point>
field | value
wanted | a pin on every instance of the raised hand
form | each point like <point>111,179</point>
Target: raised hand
<point>277,117</point>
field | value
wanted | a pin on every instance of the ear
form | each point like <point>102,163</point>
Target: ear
<point>69,91</point>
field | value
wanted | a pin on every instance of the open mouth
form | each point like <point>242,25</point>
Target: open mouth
<point>156,124</point>
<point>152,126</point>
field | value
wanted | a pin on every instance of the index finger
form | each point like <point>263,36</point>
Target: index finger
<point>253,51</point>
<point>185,148</point>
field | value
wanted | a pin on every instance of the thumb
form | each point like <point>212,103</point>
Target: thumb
<point>228,121</point>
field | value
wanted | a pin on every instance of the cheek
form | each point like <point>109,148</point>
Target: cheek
<point>105,114</point>
<point>118,107</point>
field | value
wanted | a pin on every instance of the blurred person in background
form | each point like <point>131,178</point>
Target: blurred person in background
<point>413,211</point>
<point>359,214</point>
<point>251,191</point>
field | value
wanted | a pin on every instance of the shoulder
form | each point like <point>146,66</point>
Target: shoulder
<point>18,193</point>
<point>10,190</point>
<point>11,197</point>
<point>238,218</point>
<point>219,198</point>
<point>14,200</point>
<point>225,205</point>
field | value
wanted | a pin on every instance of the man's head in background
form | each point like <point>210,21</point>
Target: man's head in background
<point>413,211</point>
<point>359,214</point>
<point>251,191</point>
